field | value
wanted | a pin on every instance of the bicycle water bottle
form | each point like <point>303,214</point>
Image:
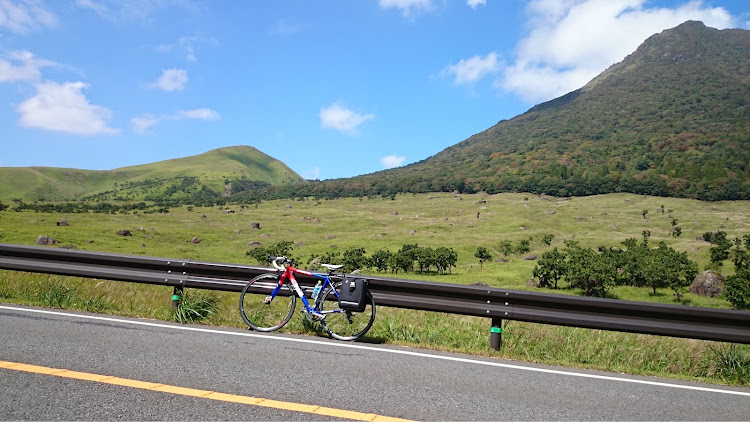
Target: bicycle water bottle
<point>316,290</point>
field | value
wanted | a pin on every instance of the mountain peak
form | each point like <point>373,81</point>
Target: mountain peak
<point>671,119</point>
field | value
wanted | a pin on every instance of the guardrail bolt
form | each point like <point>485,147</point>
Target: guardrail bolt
<point>496,334</point>
<point>176,296</point>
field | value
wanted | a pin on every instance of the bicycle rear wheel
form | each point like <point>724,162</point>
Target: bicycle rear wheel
<point>259,311</point>
<point>341,324</point>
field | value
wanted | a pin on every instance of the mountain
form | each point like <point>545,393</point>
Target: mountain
<point>214,174</point>
<point>671,119</point>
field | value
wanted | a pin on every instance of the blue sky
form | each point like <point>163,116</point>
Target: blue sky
<point>331,88</point>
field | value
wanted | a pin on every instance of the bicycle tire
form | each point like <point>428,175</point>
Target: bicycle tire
<point>262,316</point>
<point>344,325</point>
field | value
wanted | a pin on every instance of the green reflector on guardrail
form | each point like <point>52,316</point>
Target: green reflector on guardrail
<point>176,297</point>
<point>497,330</point>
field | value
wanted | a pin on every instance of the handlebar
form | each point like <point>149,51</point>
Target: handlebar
<point>283,259</point>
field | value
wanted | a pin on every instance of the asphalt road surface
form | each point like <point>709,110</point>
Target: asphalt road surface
<point>304,372</point>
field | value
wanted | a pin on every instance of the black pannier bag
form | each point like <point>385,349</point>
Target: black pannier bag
<point>352,296</point>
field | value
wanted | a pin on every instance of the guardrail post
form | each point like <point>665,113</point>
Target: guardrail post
<point>496,333</point>
<point>176,296</point>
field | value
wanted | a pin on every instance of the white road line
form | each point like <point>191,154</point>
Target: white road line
<point>376,349</point>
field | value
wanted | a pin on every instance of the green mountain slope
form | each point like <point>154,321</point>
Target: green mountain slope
<point>671,119</point>
<point>212,174</point>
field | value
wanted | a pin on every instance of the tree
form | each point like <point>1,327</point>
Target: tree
<point>445,258</point>
<point>408,254</point>
<point>506,247</point>
<point>380,260</point>
<point>425,258</point>
<point>738,290</point>
<point>720,251</point>
<point>547,239</point>
<point>738,285</point>
<point>587,270</point>
<point>632,268</point>
<point>483,255</point>
<point>400,261</point>
<point>550,268</point>
<point>353,259</point>
<point>662,267</point>
<point>669,268</point>
<point>644,213</point>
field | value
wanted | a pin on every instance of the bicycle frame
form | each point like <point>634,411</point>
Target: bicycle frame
<point>288,274</point>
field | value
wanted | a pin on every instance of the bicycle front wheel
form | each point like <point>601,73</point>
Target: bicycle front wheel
<point>259,310</point>
<point>342,324</point>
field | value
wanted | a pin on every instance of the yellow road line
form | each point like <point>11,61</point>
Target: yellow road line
<point>183,391</point>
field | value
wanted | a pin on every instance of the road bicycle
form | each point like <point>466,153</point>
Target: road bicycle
<point>268,301</point>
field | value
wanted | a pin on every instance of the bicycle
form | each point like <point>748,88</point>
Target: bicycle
<point>269,300</point>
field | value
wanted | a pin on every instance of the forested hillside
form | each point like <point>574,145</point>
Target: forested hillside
<point>671,119</point>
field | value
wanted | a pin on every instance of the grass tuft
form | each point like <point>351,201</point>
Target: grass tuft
<point>733,362</point>
<point>194,307</point>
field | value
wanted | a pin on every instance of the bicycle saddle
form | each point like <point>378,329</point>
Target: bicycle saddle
<point>331,267</point>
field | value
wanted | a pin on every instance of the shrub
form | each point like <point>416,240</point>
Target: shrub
<point>260,254</point>
<point>523,246</point>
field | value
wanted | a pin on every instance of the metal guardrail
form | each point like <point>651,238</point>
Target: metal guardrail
<point>496,304</point>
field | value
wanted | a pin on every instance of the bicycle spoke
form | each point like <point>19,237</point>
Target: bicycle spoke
<point>341,324</point>
<point>261,312</point>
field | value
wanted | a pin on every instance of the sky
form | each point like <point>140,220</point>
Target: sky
<point>333,88</point>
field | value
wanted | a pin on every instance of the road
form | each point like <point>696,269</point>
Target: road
<point>302,372</point>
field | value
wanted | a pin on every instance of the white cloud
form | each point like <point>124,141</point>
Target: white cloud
<point>188,45</point>
<point>342,119</point>
<point>284,28</point>
<point>24,16</point>
<point>142,123</point>
<point>132,10</point>
<point>407,7</point>
<point>475,3</point>
<point>198,113</point>
<point>571,41</point>
<point>470,70</point>
<point>391,161</point>
<point>64,108</point>
<point>97,7</point>
<point>171,80</point>
<point>22,66</point>
<point>312,174</point>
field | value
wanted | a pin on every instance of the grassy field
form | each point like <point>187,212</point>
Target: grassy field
<point>462,222</point>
